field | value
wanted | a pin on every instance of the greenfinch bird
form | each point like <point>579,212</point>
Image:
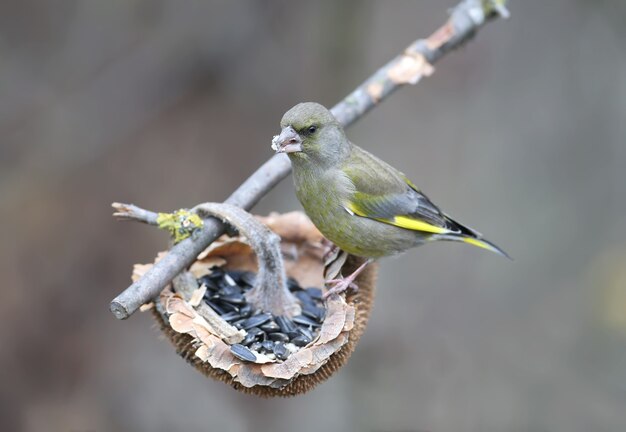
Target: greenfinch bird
<point>363,205</point>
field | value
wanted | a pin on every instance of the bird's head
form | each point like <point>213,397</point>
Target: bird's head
<point>310,132</point>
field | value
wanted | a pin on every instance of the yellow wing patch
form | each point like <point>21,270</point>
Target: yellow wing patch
<point>415,224</point>
<point>402,222</point>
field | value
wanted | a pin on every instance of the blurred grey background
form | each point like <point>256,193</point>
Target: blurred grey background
<point>521,135</point>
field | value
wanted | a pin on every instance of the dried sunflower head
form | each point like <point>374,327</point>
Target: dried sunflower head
<point>189,314</point>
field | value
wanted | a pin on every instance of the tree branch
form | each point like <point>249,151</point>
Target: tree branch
<point>407,68</point>
<point>130,212</point>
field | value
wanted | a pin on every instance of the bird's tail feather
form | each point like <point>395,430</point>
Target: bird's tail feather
<point>468,235</point>
<point>474,241</point>
<point>485,244</point>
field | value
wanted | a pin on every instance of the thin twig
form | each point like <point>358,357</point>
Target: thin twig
<point>130,212</point>
<point>408,68</point>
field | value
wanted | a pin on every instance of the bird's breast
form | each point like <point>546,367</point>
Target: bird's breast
<point>322,197</point>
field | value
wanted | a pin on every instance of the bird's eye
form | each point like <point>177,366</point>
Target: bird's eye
<point>312,129</point>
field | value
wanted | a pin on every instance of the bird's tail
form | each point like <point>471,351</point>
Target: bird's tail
<point>470,236</point>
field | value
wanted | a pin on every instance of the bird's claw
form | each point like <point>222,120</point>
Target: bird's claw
<point>340,285</point>
<point>343,284</point>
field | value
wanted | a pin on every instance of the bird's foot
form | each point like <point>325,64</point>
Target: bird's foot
<point>341,285</point>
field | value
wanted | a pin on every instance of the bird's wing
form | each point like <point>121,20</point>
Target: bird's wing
<point>385,194</point>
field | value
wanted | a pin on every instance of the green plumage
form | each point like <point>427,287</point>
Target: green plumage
<point>359,202</point>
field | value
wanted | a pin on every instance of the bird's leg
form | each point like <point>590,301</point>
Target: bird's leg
<point>340,285</point>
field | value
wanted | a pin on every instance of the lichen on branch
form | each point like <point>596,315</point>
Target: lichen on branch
<point>180,224</point>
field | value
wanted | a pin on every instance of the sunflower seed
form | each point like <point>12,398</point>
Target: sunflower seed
<point>227,306</point>
<point>280,337</point>
<point>257,332</point>
<point>209,283</point>
<point>229,280</point>
<point>293,285</point>
<point>242,352</point>
<point>228,290</point>
<point>270,327</point>
<point>301,341</point>
<point>305,332</point>
<point>315,293</point>
<point>313,312</point>
<point>268,345</point>
<point>216,274</point>
<point>235,299</point>
<point>239,324</point>
<point>248,339</point>
<point>256,320</point>
<point>217,308</point>
<point>256,346</point>
<point>245,310</point>
<point>285,324</point>
<point>248,278</point>
<point>280,351</point>
<point>306,321</point>
<point>231,316</point>
<point>304,297</point>
<point>235,275</point>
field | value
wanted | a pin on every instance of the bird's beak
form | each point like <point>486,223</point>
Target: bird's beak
<point>287,142</point>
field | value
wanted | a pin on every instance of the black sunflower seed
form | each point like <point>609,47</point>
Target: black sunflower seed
<point>305,332</point>
<point>257,332</point>
<point>217,273</point>
<point>268,345</point>
<point>209,283</point>
<point>235,299</point>
<point>300,341</point>
<point>231,316</point>
<point>256,320</point>
<point>304,297</point>
<point>293,284</point>
<point>246,310</point>
<point>242,352</point>
<point>226,306</point>
<point>270,327</point>
<point>229,280</point>
<point>235,274</point>
<point>314,312</point>
<point>293,334</point>
<point>248,339</point>
<point>239,323</point>
<point>285,324</point>
<point>315,293</point>
<point>281,351</point>
<point>217,308</point>
<point>306,321</point>
<point>280,337</point>
<point>248,278</point>
<point>227,290</point>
